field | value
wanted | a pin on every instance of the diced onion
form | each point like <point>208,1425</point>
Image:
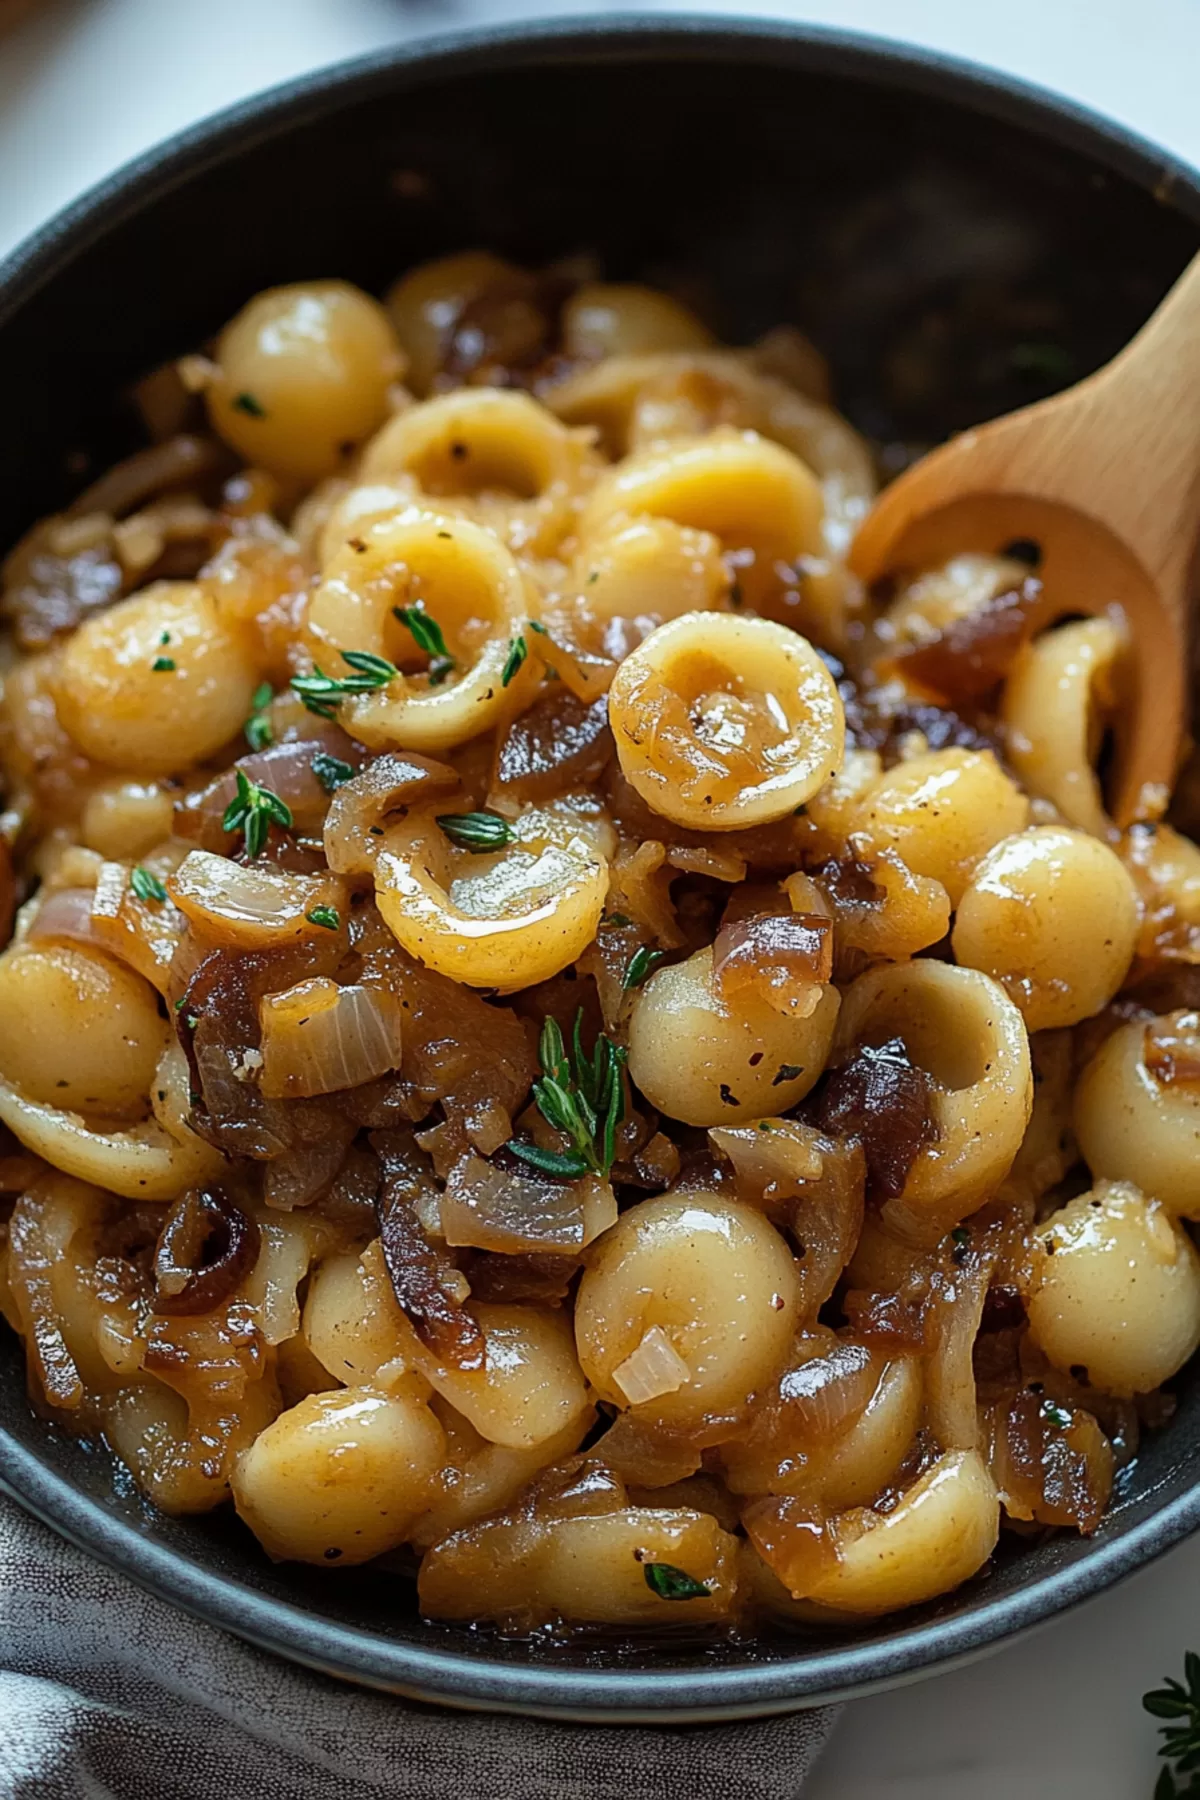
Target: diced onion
<point>653,1369</point>
<point>250,907</point>
<point>318,1038</point>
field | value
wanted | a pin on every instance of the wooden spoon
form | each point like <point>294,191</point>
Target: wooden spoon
<point>1105,478</point>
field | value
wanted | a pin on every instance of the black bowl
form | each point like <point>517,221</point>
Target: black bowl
<point>955,243</point>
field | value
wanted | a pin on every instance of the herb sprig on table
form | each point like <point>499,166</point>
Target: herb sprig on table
<point>1178,1704</point>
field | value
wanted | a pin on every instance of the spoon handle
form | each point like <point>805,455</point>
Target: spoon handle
<point>1149,397</point>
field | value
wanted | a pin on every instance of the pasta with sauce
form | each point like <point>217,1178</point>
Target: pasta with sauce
<point>540,1023</point>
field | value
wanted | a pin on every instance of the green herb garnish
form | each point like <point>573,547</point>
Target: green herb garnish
<point>518,650</point>
<point>323,694</point>
<point>670,1583</point>
<point>642,965</point>
<point>961,1235</point>
<point>252,811</point>
<point>536,625</point>
<point>257,728</point>
<point>324,915</point>
<point>427,635</point>
<point>248,404</point>
<point>147,886</point>
<point>481,831</point>
<point>162,665</point>
<point>617,919</point>
<point>331,771</point>
<point>787,1072</point>
<point>580,1095</point>
<point>1057,1415</point>
<point>1180,1707</point>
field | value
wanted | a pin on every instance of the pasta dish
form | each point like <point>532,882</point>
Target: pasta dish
<point>546,1035</point>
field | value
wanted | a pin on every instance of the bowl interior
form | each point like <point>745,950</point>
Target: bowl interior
<point>954,248</point>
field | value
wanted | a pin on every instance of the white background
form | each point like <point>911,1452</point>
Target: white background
<point>87,84</point>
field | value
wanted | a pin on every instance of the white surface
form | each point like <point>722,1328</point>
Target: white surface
<point>93,82</point>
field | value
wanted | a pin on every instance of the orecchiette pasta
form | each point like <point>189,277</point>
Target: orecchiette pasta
<point>1056,700</point>
<point>1137,1111</point>
<point>449,570</point>
<point>522,987</point>
<point>1052,915</point>
<point>725,722</point>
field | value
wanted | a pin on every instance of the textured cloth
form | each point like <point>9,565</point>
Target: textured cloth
<point>107,1693</point>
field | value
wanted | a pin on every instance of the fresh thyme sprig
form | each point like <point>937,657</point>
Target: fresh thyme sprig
<point>580,1095</point>
<point>428,636</point>
<point>323,694</point>
<point>252,811</point>
<point>258,726</point>
<point>1179,1705</point>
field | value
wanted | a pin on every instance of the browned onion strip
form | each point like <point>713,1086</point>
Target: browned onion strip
<point>286,769</point>
<point>30,1261</point>
<point>561,745</point>
<point>882,1099</point>
<point>505,1207</point>
<point>781,958</point>
<point>793,1540</point>
<point>821,1397</point>
<point>358,809</point>
<point>1049,1471</point>
<point>974,654</point>
<point>217,1023</point>
<point>64,916</point>
<point>151,471</point>
<point>1172,1049</point>
<point>414,1268</point>
<point>206,1246</point>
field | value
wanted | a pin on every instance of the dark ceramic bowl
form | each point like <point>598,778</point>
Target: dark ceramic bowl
<point>956,244</point>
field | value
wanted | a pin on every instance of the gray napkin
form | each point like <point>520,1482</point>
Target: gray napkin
<point>107,1693</point>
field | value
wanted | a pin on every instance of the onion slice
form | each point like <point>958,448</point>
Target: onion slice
<point>501,1208</point>
<point>248,907</point>
<point>318,1038</point>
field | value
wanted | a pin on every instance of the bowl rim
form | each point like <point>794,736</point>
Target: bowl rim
<point>815,1675</point>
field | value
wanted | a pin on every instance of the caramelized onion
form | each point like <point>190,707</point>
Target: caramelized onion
<point>560,746</point>
<point>545,1277</point>
<point>504,1207</point>
<point>820,1398</point>
<point>318,1038</point>
<point>882,1099</point>
<point>388,784</point>
<point>143,933</point>
<point>286,769</point>
<point>64,916</point>
<point>246,906</point>
<point>206,1246</point>
<point>1172,1049</point>
<point>217,1024</point>
<point>183,459</point>
<point>793,1540</point>
<point>773,1159</point>
<point>1050,1460</point>
<point>31,1258</point>
<point>421,1280</point>
<point>952,1318</point>
<point>783,959</point>
<point>975,653</point>
<point>646,1455</point>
